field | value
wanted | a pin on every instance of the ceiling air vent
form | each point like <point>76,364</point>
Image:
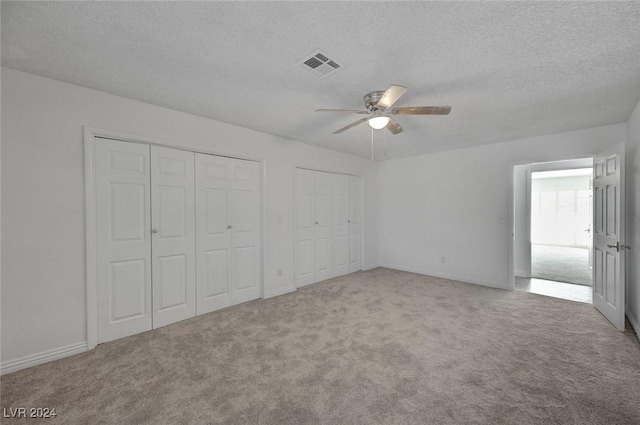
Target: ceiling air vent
<point>319,64</point>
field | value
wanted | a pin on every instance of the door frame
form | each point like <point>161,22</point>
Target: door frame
<point>535,165</point>
<point>89,136</point>
<point>295,212</point>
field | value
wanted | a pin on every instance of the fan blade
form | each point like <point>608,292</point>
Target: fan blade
<point>355,111</point>
<point>391,96</point>
<point>353,124</point>
<point>394,127</point>
<point>422,110</point>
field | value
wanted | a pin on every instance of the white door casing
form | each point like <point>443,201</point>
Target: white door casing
<point>123,248</point>
<point>354,224</point>
<point>340,224</point>
<point>173,235</point>
<point>608,235</point>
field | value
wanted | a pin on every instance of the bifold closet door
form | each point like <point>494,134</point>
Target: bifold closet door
<point>228,231</point>
<point>246,275</point>
<point>213,240</point>
<point>145,235</point>
<point>340,224</point>
<point>305,227</point>
<point>327,225</point>
<point>354,224</point>
<point>313,226</point>
<point>123,238</point>
<point>322,225</point>
<point>173,235</point>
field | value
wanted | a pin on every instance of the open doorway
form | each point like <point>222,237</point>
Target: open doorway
<point>561,220</point>
<point>607,294</point>
<point>552,229</point>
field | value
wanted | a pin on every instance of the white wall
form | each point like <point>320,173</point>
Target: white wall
<point>446,214</point>
<point>43,274</point>
<point>633,219</point>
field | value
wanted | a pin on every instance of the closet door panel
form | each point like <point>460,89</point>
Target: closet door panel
<point>170,283</point>
<point>123,205</point>
<point>323,236</point>
<point>305,228</point>
<point>216,265</point>
<point>173,240</point>
<point>340,224</point>
<point>354,224</point>
<point>213,235</point>
<point>245,230</point>
<point>127,290</point>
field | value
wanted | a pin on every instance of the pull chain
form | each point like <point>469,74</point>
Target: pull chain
<point>384,142</point>
<point>372,143</point>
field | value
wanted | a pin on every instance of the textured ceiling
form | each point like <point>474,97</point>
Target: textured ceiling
<point>508,69</point>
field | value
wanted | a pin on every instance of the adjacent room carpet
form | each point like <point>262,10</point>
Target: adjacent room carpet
<point>376,347</point>
<point>560,263</point>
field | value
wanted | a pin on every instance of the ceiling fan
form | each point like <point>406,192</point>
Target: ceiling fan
<point>379,110</point>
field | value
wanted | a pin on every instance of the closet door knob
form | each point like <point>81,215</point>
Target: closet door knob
<point>316,222</point>
<point>154,230</point>
<point>229,226</point>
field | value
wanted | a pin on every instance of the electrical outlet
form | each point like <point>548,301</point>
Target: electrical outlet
<point>443,259</point>
<point>279,272</point>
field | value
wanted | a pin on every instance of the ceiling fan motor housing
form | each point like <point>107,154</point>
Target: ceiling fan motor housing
<point>371,100</point>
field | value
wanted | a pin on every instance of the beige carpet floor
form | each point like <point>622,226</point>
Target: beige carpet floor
<point>375,347</point>
<point>561,264</point>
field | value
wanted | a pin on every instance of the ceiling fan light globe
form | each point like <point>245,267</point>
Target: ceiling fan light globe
<point>378,123</point>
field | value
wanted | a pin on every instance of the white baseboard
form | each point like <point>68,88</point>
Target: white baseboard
<point>521,273</point>
<point>279,291</point>
<point>369,267</point>
<point>42,357</point>
<point>459,278</point>
<point>634,323</point>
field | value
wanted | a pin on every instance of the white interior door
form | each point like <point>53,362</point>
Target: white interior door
<point>340,224</point>
<point>305,228</point>
<point>244,202</point>
<point>354,224</point>
<point>589,229</point>
<point>608,235</point>
<point>213,240</point>
<point>322,223</point>
<point>123,208</point>
<point>173,235</point>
